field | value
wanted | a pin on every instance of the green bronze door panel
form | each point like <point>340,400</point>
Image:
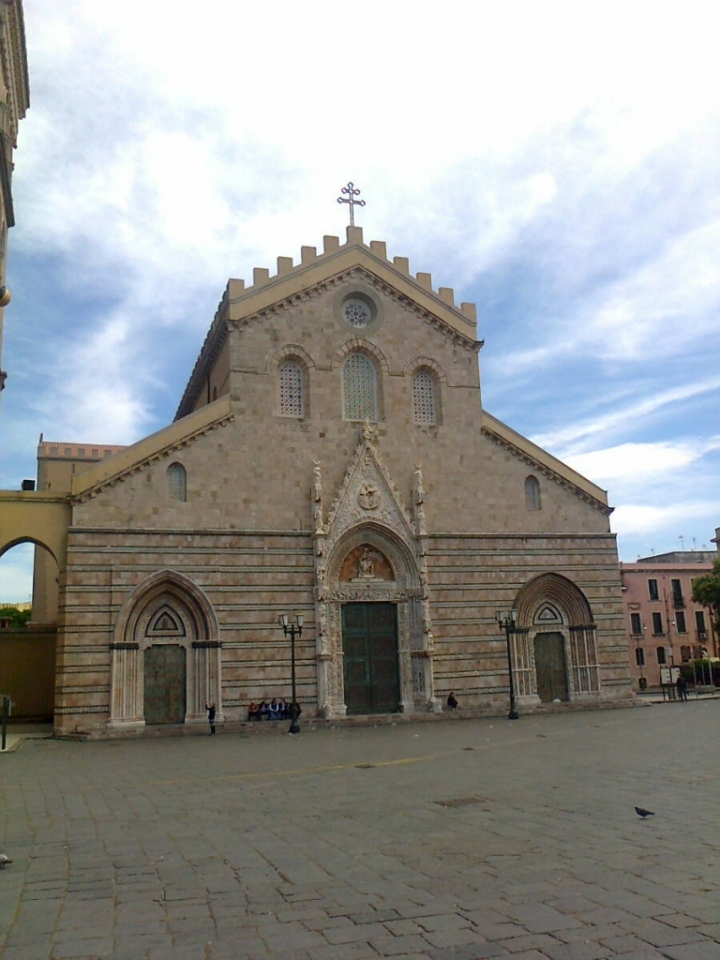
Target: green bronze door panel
<point>356,664</point>
<point>385,677</point>
<point>550,667</point>
<point>165,677</point>
<point>370,658</point>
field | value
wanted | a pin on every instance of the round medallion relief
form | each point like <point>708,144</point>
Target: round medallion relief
<point>369,496</point>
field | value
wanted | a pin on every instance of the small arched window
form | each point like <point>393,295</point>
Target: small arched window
<point>177,482</point>
<point>424,399</point>
<point>291,389</point>
<point>360,400</point>
<point>532,494</point>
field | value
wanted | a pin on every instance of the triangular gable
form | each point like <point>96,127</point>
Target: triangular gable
<point>316,271</point>
<point>368,495</point>
<point>166,622</point>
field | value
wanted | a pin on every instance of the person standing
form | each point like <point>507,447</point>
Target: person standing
<point>681,684</point>
<point>211,717</point>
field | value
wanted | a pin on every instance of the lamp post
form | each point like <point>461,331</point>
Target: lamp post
<point>506,622</point>
<point>295,630</point>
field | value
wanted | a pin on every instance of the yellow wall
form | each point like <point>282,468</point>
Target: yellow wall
<point>27,672</point>
<point>32,517</point>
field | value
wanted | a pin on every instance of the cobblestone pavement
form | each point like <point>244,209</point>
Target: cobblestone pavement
<point>449,841</point>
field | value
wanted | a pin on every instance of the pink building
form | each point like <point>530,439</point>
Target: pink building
<point>664,627</point>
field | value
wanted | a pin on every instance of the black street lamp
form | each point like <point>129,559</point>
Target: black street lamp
<point>295,630</point>
<point>506,622</point>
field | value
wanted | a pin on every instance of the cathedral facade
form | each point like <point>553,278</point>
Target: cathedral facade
<point>330,459</point>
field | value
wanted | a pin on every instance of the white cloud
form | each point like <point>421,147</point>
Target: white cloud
<point>633,519</point>
<point>636,461</point>
<point>572,439</point>
<point>556,161</point>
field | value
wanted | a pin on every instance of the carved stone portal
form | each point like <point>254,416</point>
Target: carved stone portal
<point>370,551</point>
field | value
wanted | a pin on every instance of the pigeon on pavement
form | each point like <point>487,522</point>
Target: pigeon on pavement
<point>4,861</point>
<point>643,813</point>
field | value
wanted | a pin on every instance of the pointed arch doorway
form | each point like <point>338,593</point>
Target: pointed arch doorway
<point>371,672</point>
<point>166,656</point>
<point>372,648</point>
<point>555,650</point>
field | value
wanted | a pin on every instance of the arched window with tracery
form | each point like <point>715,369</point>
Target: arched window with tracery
<point>291,389</point>
<point>532,494</point>
<point>424,397</point>
<point>177,482</point>
<point>360,388</point>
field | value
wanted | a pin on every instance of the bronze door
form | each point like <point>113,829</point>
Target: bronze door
<point>550,667</point>
<point>165,683</point>
<point>370,658</point>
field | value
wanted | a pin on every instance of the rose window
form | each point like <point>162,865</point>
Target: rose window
<point>357,313</point>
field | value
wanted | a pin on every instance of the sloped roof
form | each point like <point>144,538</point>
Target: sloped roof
<point>545,462</point>
<point>157,446</point>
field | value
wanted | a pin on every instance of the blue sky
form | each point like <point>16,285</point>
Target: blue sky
<point>556,163</point>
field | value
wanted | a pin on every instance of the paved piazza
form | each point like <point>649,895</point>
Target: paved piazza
<point>451,840</point>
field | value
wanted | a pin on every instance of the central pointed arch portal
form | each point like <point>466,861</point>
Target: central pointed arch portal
<point>374,655</point>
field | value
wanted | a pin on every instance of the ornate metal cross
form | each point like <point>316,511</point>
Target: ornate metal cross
<point>351,192</point>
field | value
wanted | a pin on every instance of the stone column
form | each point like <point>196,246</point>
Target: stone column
<point>206,687</point>
<point>585,668</point>
<point>524,667</point>
<point>125,698</point>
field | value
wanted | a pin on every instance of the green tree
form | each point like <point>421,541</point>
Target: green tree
<point>18,618</point>
<point>706,590</point>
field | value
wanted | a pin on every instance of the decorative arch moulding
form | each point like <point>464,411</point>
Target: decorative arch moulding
<point>290,351</point>
<point>360,345</point>
<point>424,363</point>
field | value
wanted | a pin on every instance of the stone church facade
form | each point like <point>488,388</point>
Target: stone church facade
<point>331,458</point>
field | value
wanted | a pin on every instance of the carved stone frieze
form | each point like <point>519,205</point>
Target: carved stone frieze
<point>377,590</point>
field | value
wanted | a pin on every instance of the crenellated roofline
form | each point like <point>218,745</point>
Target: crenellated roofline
<point>317,271</point>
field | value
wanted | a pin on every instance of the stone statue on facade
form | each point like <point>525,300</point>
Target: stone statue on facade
<point>366,565</point>
<point>317,487</point>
